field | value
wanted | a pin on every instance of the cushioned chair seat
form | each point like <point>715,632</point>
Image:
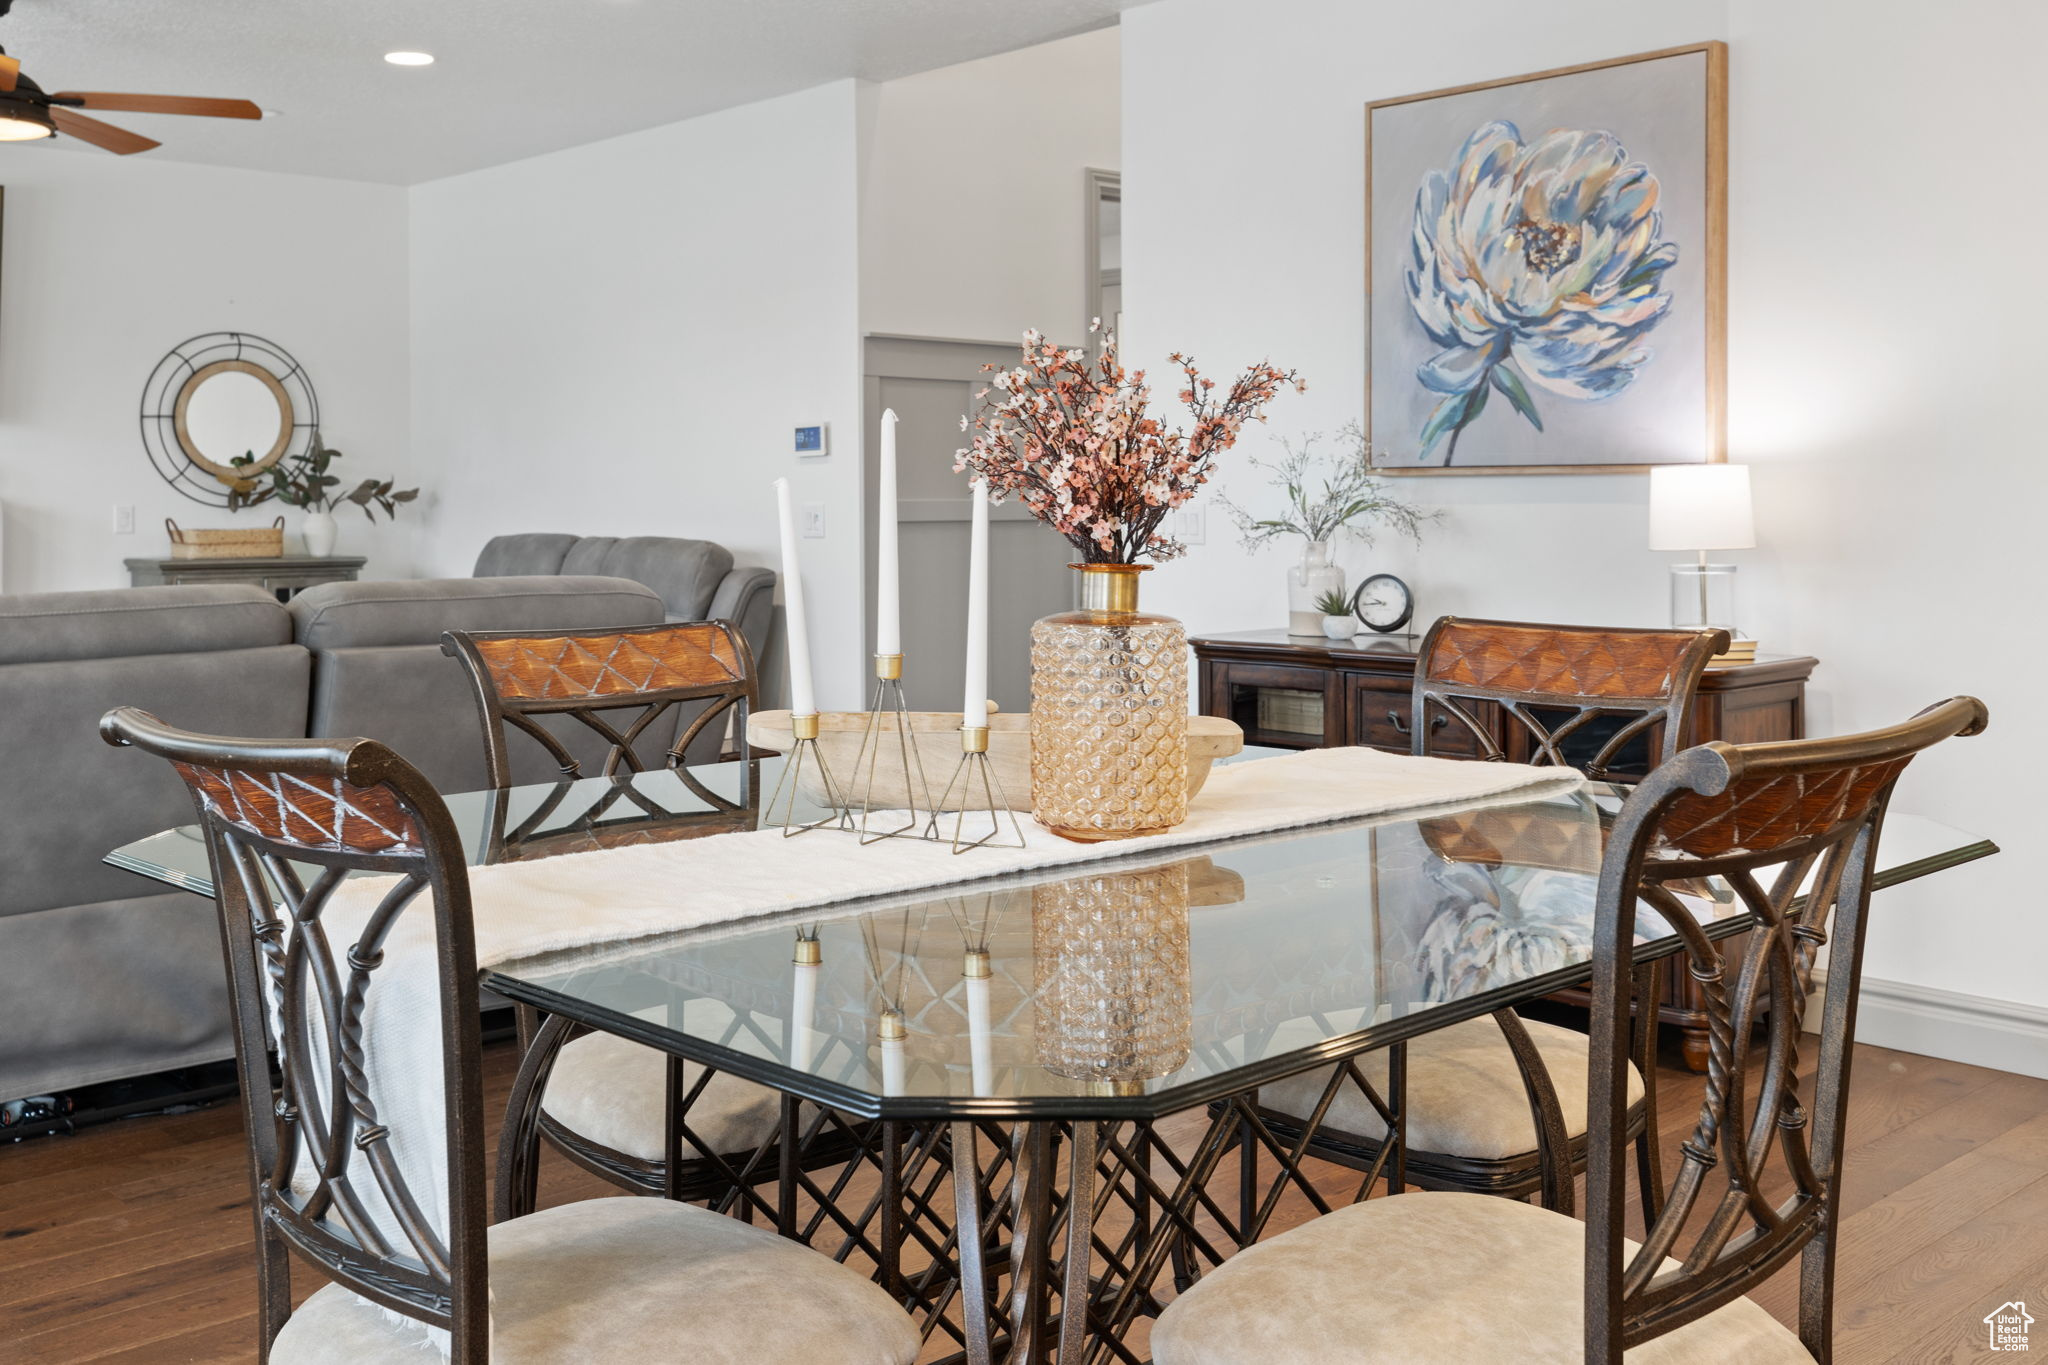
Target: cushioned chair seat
<point>1465,1091</point>
<point>613,1091</point>
<point>639,1280</point>
<point>1424,1278</point>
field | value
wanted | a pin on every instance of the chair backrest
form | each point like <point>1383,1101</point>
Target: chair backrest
<point>1812,810</point>
<point>286,822</point>
<point>1559,685</point>
<point>519,676</point>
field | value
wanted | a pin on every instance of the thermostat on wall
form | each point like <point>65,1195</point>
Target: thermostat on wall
<point>811,443</point>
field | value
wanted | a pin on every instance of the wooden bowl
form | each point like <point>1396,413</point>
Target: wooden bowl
<point>937,737</point>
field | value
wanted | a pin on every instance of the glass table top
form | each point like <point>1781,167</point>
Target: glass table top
<point>1133,987</point>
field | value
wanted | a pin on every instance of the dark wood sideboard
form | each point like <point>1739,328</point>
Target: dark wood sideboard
<point>1296,692</point>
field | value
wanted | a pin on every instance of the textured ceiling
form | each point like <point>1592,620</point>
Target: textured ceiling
<point>512,79</point>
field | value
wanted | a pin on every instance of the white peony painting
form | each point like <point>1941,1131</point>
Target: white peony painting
<point>1545,270</point>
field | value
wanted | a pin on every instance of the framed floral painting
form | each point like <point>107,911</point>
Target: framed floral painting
<point>1546,270</point>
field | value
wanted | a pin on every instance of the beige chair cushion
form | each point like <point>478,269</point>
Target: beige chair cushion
<point>1427,1278</point>
<point>635,1280</point>
<point>1465,1092</point>
<point>614,1091</point>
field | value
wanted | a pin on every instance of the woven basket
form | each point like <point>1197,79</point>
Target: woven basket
<point>258,542</point>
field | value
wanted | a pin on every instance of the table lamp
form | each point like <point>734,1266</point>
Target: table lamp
<point>1702,507</point>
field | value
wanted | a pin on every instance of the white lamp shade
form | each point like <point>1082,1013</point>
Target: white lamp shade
<point>1700,507</point>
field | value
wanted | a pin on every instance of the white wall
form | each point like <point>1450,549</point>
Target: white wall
<point>1884,356</point>
<point>619,338</point>
<point>972,195</point>
<point>108,263</point>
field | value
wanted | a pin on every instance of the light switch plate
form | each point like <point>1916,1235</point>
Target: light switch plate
<point>813,443</point>
<point>813,521</point>
<point>1191,526</point>
<point>124,520</point>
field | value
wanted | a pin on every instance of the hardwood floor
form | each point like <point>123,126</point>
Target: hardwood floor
<point>130,1242</point>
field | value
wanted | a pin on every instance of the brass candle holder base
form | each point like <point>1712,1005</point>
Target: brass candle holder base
<point>805,731</point>
<point>886,713</point>
<point>976,771</point>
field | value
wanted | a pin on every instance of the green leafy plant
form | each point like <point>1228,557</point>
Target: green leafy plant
<point>1327,492</point>
<point>302,481</point>
<point>1334,603</point>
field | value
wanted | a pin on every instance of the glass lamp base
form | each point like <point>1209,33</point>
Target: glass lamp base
<point>1703,596</point>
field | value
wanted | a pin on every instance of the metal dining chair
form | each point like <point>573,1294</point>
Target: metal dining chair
<point>614,1107</point>
<point>1472,1097</point>
<point>1448,1276</point>
<point>338,1181</point>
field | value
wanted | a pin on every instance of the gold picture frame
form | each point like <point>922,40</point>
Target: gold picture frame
<point>1686,415</point>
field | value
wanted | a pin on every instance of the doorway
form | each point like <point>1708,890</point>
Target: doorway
<point>931,383</point>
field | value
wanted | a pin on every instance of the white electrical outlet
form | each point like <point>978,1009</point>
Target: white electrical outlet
<point>124,521</point>
<point>814,521</point>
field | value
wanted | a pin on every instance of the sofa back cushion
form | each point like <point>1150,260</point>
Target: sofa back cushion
<point>687,573</point>
<point>50,627</point>
<point>67,798</point>
<point>378,669</point>
<point>529,553</point>
<point>416,611</point>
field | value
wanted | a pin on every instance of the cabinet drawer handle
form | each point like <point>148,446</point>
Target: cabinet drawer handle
<point>1436,722</point>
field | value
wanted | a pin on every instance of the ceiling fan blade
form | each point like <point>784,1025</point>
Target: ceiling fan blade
<point>119,141</point>
<point>160,104</point>
<point>10,72</point>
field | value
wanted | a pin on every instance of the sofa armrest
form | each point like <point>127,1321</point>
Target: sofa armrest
<point>746,597</point>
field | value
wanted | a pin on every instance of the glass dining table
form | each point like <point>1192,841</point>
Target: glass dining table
<point>999,1056</point>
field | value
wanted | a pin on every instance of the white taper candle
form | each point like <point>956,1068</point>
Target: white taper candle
<point>803,1013</point>
<point>893,1065</point>
<point>888,593</point>
<point>974,700</point>
<point>980,1048</point>
<point>802,701</point>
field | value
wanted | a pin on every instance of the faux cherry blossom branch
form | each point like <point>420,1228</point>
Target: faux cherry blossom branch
<point>1075,442</point>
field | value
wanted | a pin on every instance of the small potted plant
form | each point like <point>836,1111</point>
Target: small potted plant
<point>302,481</point>
<point>1337,621</point>
<point>1328,492</point>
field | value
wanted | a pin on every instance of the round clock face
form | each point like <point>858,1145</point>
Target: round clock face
<point>1384,603</point>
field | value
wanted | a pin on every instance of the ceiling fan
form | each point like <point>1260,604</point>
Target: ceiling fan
<point>27,112</point>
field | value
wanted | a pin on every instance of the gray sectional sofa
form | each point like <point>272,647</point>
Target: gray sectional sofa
<point>102,976</point>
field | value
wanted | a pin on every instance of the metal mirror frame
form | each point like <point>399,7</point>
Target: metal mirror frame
<point>168,392</point>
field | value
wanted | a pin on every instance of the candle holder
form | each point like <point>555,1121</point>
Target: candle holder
<point>805,730</point>
<point>888,711</point>
<point>975,769</point>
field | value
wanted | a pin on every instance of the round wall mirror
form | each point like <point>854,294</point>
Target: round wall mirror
<point>219,397</point>
<point>229,409</point>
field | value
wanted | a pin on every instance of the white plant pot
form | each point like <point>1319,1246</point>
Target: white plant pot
<point>317,530</point>
<point>1339,627</point>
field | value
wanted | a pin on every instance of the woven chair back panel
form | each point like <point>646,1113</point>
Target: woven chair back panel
<point>556,668</point>
<point>1769,812</point>
<point>311,812</point>
<point>1583,663</point>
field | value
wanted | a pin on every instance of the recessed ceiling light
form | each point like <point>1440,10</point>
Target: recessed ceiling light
<point>409,58</point>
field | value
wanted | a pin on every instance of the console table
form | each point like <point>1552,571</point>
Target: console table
<point>285,575</point>
<point>1300,692</point>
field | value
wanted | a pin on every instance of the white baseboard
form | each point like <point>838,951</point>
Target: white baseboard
<point>2002,1034</point>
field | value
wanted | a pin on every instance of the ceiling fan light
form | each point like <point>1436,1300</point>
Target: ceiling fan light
<point>16,127</point>
<point>409,58</point>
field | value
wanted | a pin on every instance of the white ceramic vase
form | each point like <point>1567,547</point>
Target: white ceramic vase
<point>1339,627</point>
<point>1307,583</point>
<point>318,532</point>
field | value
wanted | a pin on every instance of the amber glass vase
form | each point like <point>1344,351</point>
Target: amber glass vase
<point>1109,713</point>
<point>1112,994</point>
